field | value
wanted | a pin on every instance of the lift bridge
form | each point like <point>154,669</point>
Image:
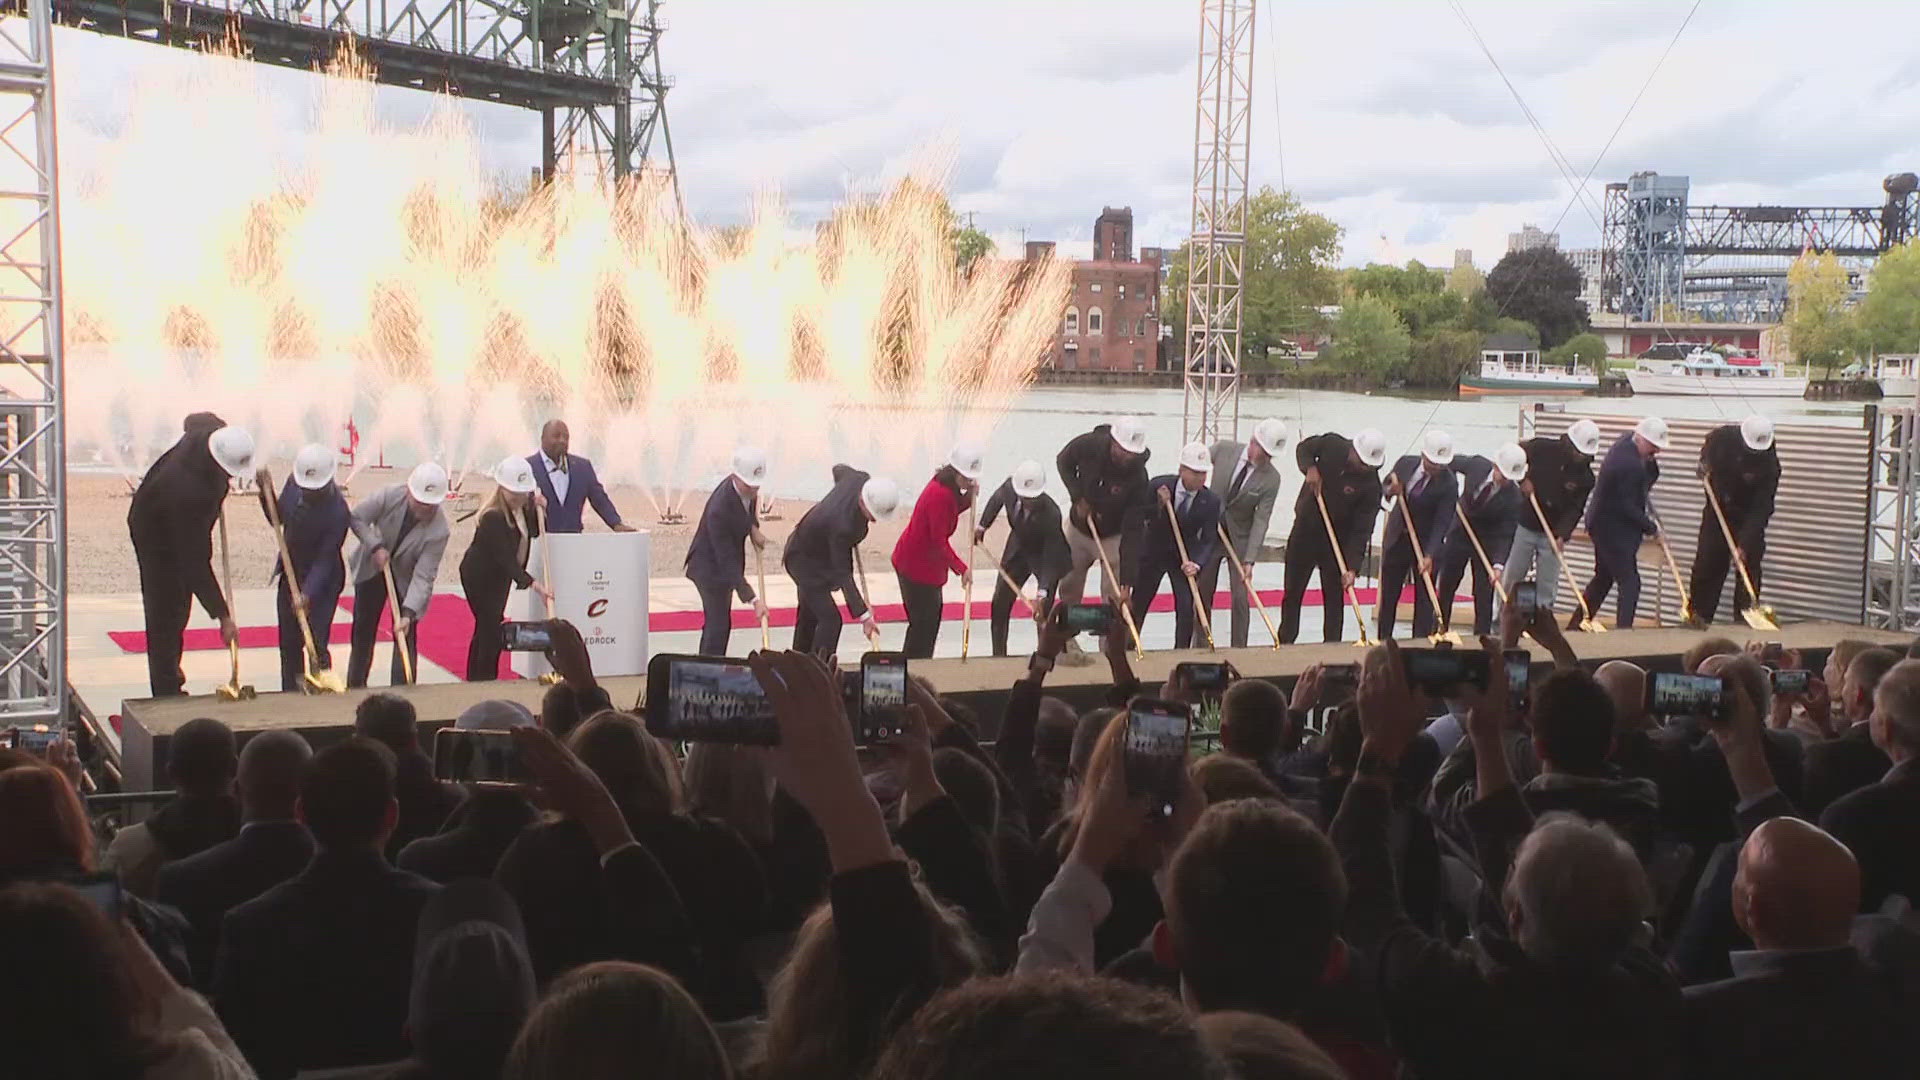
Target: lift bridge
<point>592,70</point>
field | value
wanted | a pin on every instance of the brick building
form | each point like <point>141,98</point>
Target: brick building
<point>1112,321</point>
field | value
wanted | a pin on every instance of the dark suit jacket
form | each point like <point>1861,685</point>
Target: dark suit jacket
<point>315,972</point>
<point>493,559</point>
<point>316,530</point>
<point>1034,533</point>
<point>1352,493</point>
<point>819,553</point>
<point>1745,480</point>
<point>1432,508</point>
<point>583,486</point>
<point>204,887</point>
<point>1114,491</point>
<point>1697,796</point>
<point>172,516</point>
<point>1837,767</point>
<point>1562,478</point>
<point>1199,528</point>
<point>1880,823</point>
<point>1619,504</point>
<point>479,831</point>
<point>717,555</point>
<point>1493,520</point>
<point>1794,1015</point>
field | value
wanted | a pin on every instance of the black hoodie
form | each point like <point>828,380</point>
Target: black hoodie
<point>819,554</point>
<point>173,513</point>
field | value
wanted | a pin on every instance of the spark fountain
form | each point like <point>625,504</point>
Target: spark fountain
<point>367,272</point>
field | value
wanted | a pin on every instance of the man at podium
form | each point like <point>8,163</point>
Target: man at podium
<point>569,483</point>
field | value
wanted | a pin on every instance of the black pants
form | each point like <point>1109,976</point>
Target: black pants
<point>817,622</point>
<point>293,647</point>
<point>1148,583</point>
<point>1712,560</point>
<point>923,617</point>
<point>1616,560</point>
<point>1454,562</point>
<point>716,618</point>
<point>165,604</point>
<point>1396,569</point>
<point>488,600</point>
<point>369,602</point>
<point>1303,558</point>
<point>1003,596</point>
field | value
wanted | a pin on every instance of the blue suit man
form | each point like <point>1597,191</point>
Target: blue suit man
<point>1620,516</point>
<point>1197,509</point>
<point>569,483</point>
<point>1427,485</point>
<point>314,514</point>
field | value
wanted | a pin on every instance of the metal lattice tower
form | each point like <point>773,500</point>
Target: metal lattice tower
<point>33,533</point>
<point>1644,242</point>
<point>1222,128</point>
<point>1892,600</point>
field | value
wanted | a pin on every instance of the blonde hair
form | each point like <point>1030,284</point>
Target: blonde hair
<point>731,783</point>
<point>637,769</point>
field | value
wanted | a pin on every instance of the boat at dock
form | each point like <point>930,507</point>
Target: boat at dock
<point>1703,372</point>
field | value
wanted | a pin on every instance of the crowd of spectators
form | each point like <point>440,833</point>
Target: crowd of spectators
<point>1366,880</point>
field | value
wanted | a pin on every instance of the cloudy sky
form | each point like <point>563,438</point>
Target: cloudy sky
<point>1392,119</point>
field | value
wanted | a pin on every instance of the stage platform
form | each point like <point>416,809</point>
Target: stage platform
<point>148,723</point>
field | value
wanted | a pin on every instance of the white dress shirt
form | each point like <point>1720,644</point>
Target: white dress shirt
<point>556,476</point>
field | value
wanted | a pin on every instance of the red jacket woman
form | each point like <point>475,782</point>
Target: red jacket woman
<point>924,554</point>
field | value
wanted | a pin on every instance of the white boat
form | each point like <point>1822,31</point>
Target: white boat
<point>1703,372</point>
<point>1523,373</point>
<point>1899,374</point>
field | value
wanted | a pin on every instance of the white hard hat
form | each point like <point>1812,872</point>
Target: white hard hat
<point>881,497</point>
<point>1029,479</point>
<point>1271,434</point>
<point>1654,430</point>
<point>968,459</point>
<point>1131,433</point>
<point>1437,448</point>
<point>750,465</point>
<point>1194,456</point>
<point>513,474</point>
<point>313,466</point>
<point>1511,461</point>
<point>1757,432</point>
<point>1585,436</point>
<point>428,483</point>
<point>233,449</point>
<point>1371,446</point>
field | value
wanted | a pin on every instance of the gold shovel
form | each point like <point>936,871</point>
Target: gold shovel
<point>1757,615</point>
<point>760,572</point>
<point>393,611</point>
<point>548,677</point>
<point>232,690</point>
<point>1480,550</point>
<point>1193,586</point>
<point>966,601</point>
<point>1353,598</point>
<point>1113,587</point>
<point>317,680</point>
<point>1587,622</point>
<point>1247,584</point>
<point>1445,635</point>
<point>1679,584</point>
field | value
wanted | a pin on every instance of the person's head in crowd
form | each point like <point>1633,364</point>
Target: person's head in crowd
<point>347,795</point>
<point>1707,646</point>
<point>43,827</point>
<point>201,759</point>
<point>1796,888</point>
<point>494,714</point>
<point>731,783</point>
<point>1576,896</point>
<point>1057,1026</point>
<point>1913,649</point>
<point>270,771</point>
<point>809,1031</point>
<point>1342,737</point>
<point>1146,849</point>
<point>971,785</point>
<point>1224,777</point>
<point>561,710</point>
<point>1254,899</point>
<point>1835,671</point>
<point>388,719</point>
<point>1863,674</point>
<point>1086,735</point>
<point>1053,736</point>
<point>1253,719</point>
<point>1896,711</point>
<point>1259,1047</point>
<point>638,771</point>
<point>472,980</point>
<point>1573,725</point>
<point>1626,685</point>
<point>614,1020</point>
<point>1744,671</point>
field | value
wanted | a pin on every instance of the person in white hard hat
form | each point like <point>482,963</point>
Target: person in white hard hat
<point>924,556</point>
<point>568,484</point>
<point>1426,483</point>
<point>1105,474</point>
<point>171,523</point>
<point>1560,477</point>
<point>1743,466</point>
<point>1197,509</point>
<point>496,561</point>
<point>819,557</point>
<point>314,515</point>
<point>1346,473</point>
<point>717,554</point>
<point>1490,497</point>
<point>1247,484</point>
<point>1620,516</point>
<point>402,526</point>
<point>1036,545</point>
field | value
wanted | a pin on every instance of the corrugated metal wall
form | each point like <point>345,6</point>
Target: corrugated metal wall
<point>1816,543</point>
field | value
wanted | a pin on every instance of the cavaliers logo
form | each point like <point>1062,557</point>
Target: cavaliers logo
<point>596,609</point>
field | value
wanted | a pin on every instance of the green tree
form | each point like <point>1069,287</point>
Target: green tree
<point>1889,317</point>
<point>1438,359</point>
<point>1820,329</point>
<point>1588,348</point>
<point>1417,293</point>
<point>1370,338</point>
<point>1503,325</point>
<point>968,243</point>
<point>1287,273</point>
<point>1466,280</point>
<point>1541,286</point>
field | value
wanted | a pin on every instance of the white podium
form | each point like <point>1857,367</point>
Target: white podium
<point>599,583</point>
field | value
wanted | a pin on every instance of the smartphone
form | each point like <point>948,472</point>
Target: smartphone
<point>1526,601</point>
<point>1519,664</point>
<point>1439,670</point>
<point>1154,750</point>
<point>526,636</point>
<point>708,699</point>
<point>103,891</point>
<point>883,696</point>
<point>478,757</point>
<point>34,740</point>
<point>1793,681</point>
<point>1206,678</point>
<point>1086,618</point>
<point>1340,675</point>
<point>1673,694</point>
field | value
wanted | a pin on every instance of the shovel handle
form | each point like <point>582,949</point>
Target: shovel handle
<point>393,611</point>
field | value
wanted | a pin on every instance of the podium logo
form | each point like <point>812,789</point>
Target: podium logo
<point>596,609</point>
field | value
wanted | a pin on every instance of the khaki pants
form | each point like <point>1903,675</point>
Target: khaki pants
<point>1085,555</point>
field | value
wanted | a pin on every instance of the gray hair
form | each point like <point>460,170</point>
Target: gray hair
<point>1897,701</point>
<point>1580,893</point>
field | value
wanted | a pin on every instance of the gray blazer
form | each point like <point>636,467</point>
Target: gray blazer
<point>376,521</point>
<point>1248,514</point>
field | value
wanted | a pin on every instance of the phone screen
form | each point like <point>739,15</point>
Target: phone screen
<point>1526,601</point>
<point>526,636</point>
<point>103,891</point>
<point>1519,678</point>
<point>703,699</point>
<point>1672,694</point>
<point>34,740</point>
<point>1792,681</point>
<point>478,757</point>
<point>1155,751</point>
<point>883,694</point>
<point>1437,670</point>
<point>1087,618</point>
<point>1203,677</point>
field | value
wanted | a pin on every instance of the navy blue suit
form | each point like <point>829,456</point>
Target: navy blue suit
<point>1432,508</point>
<point>717,562</point>
<point>1618,519</point>
<point>583,486</point>
<point>1494,512</point>
<point>1160,555</point>
<point>316,524</point>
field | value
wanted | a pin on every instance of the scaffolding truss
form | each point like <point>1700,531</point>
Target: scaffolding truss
<point>1893,522</point>
<point>1215,256</point>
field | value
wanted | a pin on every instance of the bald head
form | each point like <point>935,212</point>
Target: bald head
<point>1896,711</point>
<point>1796,888</point>
<point>271,765</point>
<point>1626,684</point>
<point>553,439</point>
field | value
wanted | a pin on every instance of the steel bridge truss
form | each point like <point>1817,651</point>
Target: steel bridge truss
<point>1215,255</point>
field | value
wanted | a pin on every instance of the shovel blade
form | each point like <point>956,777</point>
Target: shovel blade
<point>227,692</point>
<point>1760,618</point>
<point>1593,626</point>
<point>324,682</point>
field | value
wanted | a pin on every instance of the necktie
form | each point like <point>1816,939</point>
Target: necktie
<point>1419,483</point>
<point>1239,478</point>
<point>1180,507</point>
<point>1480,495</point>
